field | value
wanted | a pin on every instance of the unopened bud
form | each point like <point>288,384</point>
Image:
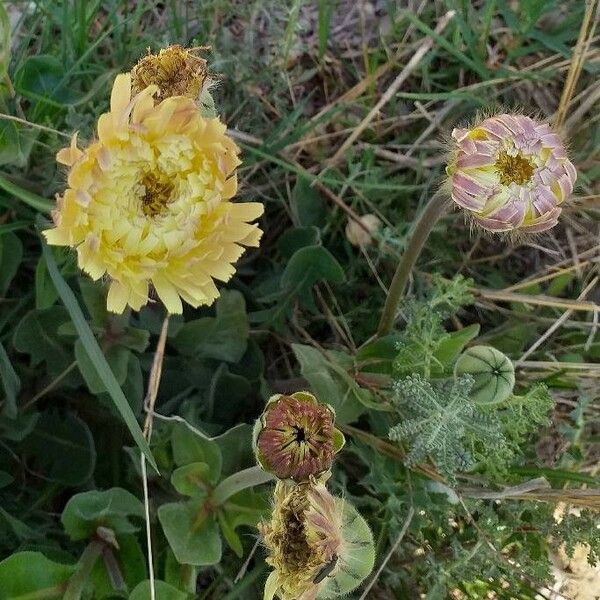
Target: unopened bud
<point>510,173</point>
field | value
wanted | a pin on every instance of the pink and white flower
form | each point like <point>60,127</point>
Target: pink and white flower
<point>511,172</point>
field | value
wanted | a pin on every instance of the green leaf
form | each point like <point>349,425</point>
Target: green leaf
<point>297,237</point>
<point>308,206</point>
<point>230,535</point>
<point>11,384</point>
<point>226,394</point>
<point>16,142</point>
<point>94,298</point>
<point>19,528</point>
<point>452,345</point>
<point>42,78</point>
<point>117,358</point>
<point>247,507</point>
<point>192,532</point>
<point>193,479</point>
<point>308,266</point>
<point>330,384</point>
<point>41,204</point>
<point>37,335</point>
<point>19,428</point>
<point>45,292</point>
<point>87,511</point>
<point>63,448</point>
<point>193,446</point>
<point>236,449</point>
<point>163,590</point>
<point>5,479</point>
<point>11,254</point>
<point>30,575</point>
<point>95,355</point>
<point>223,337</point>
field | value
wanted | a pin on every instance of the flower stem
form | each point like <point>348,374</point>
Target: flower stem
<point>86,564</point>
<point>434,211</point>
<point>237,482</point>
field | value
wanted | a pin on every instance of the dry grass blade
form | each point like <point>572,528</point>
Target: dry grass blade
<point>562,319</point>
<point>150,400</point>
<point>412,64</point>
<point>537,300</point>
<point>586,34</point>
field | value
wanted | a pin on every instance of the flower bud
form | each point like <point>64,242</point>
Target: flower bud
<point>295,437</point>
<point>492,371</point>
<point>318,545</point>
<point>362,236</point>
<point>511,172</point>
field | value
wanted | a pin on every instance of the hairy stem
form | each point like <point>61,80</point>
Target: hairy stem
<point>434,211</point>
<point>86,564</point>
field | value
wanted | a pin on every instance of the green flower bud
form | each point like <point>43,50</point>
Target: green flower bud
<point>493,372</point>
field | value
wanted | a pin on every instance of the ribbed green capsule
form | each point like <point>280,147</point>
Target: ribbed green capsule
<point>493,372</point>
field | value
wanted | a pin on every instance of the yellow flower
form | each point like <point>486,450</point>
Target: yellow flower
<point>149,203</point>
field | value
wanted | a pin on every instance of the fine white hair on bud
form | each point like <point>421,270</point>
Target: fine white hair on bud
<point>510,172</point>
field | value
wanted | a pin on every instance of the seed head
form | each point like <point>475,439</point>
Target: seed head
<point>318,545</point>
<point>175,70</point>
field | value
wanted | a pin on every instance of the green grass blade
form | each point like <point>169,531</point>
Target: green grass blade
<point>480,69</point>
<point>42,204</point>
<point>95,354</point>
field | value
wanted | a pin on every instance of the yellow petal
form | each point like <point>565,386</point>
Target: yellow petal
<point>68,156</point>
<point>121,93</point>
<point>168,295</point>
<point>247,211</point>
<point>57,237</point>
<point>118,295</point>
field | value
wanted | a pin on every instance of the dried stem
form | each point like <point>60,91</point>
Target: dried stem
<point>149,402</point>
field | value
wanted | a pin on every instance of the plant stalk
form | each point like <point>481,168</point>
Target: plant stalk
<point>86,564</point>
<point>436,208</point>
<point>149,401</point>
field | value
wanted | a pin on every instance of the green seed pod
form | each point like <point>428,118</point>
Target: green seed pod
<point>493,372</point>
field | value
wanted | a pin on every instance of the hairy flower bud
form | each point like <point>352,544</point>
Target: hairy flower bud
<point>295,438</point>
<point>318,545</point>
<point>511,172</point>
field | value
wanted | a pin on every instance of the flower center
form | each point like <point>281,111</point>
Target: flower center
<point>300,434</point>
<point>157,193</point>
<point>514,169</point>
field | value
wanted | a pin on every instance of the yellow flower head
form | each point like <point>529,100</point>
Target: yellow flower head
<point>149,203</point>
